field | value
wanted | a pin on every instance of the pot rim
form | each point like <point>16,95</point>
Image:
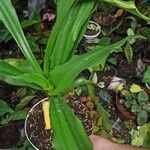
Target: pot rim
<point>122,112</point>
<point>25,124</point>
<point>147,85</point>
<point>89,37</point>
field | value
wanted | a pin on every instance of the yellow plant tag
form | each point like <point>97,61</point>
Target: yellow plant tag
<point>46,106</point>
<point>135,88</point>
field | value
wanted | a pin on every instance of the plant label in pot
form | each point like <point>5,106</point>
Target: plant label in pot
<point>92,32</point>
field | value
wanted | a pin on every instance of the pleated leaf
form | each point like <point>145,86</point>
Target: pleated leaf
<point>31,79</point>
<point>61,12</point>
<point>9,74</point>
<point>71,27</point>
<point>63,76</point>
<point>69,133</point>
<point>13,80</point>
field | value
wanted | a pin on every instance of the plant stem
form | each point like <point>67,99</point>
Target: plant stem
<point>105,115</point>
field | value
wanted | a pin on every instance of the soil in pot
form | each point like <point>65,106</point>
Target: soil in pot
<point>9,135</point>
<point>90,32</point>
<point>41,138</point>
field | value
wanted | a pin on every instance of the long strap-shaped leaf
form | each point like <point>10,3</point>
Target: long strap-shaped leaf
<point>71,29</point>
<point>10,20</point>
<point>12,80</point>
<point>61,12</point>
<point>129,6</point>
<point>73,25</point>
<point>63,76</point>
<point>69,133</point>
<point>67,72</point>
<point>33,80</point>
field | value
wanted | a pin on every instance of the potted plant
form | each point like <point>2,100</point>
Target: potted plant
<point>133,104</point>
<point>60,67</point>
<point>92,32</point>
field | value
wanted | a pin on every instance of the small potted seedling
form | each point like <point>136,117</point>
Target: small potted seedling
<point>92,32</point>
<point>133,105</point>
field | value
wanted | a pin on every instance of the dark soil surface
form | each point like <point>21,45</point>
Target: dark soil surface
<point>9,135</point>
<point>91,32</point>
<point>103,19</point>
<point>42,138</point>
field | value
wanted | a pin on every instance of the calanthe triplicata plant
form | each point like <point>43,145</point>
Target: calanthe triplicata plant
<point>61,66</point>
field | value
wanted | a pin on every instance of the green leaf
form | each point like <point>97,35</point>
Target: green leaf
<point>74,66</point>
<point>146,143</point>
<point>32,78</point>
<point>20,64</point>
<point>133,23</point>
<point>130,31</point>
<point>104,41</point>
<point>69,133</point>
<point>133,102</point>
<point>142,117</point>
<point>140,137</point>
<point>11,21</point>
<point>104,95</point>
<point>146,77</point>
<point>80,81</point>
<point>61,12</point>
<point>129,53</point>
<point>4,108</point>
<point>127,104</point>
<point>128,96</point>
<point>135,88</point>
<point>113,61</point>
<point>145,31</point>
<point>143,97</point>
<point>27,23</point>
<point>67,32</point>
<point>24,102</point>
<point>10,79</point>
<point>17,115</point>
<point>146,107</point>
<point>128,6</point>
<point>8,69</point>
<point>135,109</point>
<point>70,69</point>
<point>105,115</point>
<point>32,42</point>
